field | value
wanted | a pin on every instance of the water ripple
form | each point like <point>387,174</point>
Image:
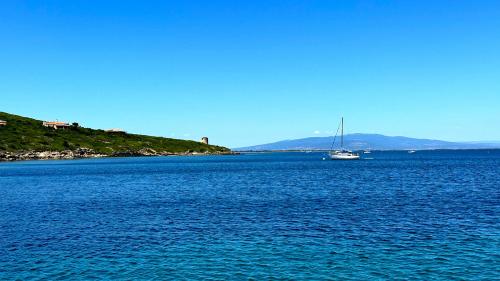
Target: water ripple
<point>287,216</point>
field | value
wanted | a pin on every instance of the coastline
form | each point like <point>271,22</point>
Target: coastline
<point>83,153</point>
<point>361,150</point>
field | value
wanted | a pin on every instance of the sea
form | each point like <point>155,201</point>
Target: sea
<point>428,215</point>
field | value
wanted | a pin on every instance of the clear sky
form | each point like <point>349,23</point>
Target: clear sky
<point>251,72</point>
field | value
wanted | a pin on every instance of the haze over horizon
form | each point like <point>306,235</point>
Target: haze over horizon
<point>248,73</point>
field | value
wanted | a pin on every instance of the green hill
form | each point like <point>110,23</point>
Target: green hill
<point>23,134</point>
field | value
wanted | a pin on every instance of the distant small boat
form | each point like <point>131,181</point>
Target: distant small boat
<point>411,151</point>
<point>342,154</point>
<point>367,152</point>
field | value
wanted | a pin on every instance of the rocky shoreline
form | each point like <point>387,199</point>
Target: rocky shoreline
<point>89,153</point>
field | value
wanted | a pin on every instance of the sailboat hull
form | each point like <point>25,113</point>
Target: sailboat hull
<point>344,156</point>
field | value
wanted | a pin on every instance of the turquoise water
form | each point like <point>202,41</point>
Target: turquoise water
<point>289,216</point>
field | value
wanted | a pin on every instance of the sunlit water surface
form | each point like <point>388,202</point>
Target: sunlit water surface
<point>293,216</point>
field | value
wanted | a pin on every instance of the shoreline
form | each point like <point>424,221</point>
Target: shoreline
<point>84,153</point>
<point>361,150</point>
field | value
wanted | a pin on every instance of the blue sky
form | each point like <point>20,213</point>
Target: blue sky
<point>251,72</point>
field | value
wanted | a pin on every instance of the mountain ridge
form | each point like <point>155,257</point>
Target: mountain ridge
<point>359,141</point>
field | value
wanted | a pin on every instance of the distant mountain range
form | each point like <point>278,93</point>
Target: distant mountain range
<point>368,141</point>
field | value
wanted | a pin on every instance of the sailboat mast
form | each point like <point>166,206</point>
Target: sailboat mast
<point>342,134</point>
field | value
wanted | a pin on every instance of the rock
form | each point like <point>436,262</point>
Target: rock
<point>148,152</point>
<point>84,152</point>
<point>48,155</point>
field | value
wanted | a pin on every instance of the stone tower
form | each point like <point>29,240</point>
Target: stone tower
<point>204,140</point>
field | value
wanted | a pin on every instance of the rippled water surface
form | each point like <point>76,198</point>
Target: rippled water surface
<point>427,215</point>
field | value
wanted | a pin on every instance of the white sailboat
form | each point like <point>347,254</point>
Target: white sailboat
<point>342,154</point>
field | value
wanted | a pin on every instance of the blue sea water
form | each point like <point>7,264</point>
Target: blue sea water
<point>431,215</point>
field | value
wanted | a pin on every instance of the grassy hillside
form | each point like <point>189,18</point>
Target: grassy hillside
<point>26,134</point>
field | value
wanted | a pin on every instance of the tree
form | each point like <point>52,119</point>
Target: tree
<point>66,144</point>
